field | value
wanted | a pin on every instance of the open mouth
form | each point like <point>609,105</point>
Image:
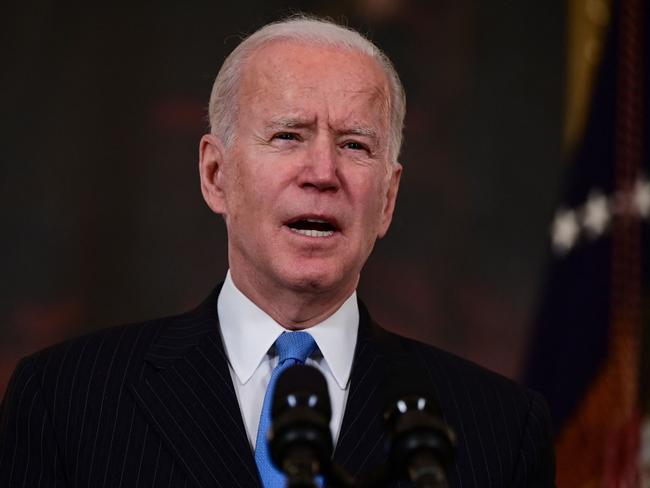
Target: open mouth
<point>313,227</point>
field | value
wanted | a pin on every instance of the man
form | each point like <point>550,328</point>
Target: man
<point>301,162</point>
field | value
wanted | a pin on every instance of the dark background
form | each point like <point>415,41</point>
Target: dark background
<point>102,220</point>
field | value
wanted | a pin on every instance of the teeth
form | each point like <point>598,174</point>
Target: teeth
<point>317,221</point>
<point>314,233</point>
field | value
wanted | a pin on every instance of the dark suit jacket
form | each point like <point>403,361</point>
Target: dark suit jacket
<point>153,405</point>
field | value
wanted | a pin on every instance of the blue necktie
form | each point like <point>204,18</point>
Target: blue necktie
<point>292,348</point>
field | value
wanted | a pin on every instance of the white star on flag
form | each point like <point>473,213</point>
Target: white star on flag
<point>565,231</point>
<point>596,214</point>
<point>642,198</point>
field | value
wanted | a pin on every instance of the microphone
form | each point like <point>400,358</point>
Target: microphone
<point>421,445</point>
<point>300,440</point>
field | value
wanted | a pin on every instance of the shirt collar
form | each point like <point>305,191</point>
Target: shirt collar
<point>248,333</point>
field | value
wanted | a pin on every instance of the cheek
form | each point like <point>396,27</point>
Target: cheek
<point>370,204</point>
<point>241,193</point>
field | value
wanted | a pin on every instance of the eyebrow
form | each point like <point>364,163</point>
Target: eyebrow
<point>290,122</point>
<point>359,131</point>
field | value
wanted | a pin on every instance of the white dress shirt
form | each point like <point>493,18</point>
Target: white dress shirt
<point>248,334</point>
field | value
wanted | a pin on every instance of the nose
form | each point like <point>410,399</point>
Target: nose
<point>320,166</point>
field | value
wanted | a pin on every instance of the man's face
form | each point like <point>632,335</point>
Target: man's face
<point>306,186</point>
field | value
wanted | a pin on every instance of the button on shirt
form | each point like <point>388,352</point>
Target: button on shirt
<point>248,335</point>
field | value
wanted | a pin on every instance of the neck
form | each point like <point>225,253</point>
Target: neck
<point>293,308</point>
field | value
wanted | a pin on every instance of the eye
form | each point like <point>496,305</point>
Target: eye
<point>286,136</point>
<point>354,145</point>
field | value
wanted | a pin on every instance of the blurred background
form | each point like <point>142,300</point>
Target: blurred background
<point>103,222</point>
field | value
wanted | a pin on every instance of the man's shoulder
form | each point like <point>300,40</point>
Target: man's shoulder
<point>116,338</point>
<point>442,365</point>
<point>464,389</point>
<point>116,353</point>
<point>107,356</point>
<point>499,424</point>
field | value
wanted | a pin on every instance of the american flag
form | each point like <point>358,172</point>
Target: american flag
<point>589,353</point>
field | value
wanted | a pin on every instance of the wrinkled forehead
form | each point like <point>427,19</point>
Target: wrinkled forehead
<point>293,69</point>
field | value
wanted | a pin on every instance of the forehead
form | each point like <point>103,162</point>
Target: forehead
<point>294,75</point>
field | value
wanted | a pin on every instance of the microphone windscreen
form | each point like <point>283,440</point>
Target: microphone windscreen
<point>301,386</point>
<point>407,381</point>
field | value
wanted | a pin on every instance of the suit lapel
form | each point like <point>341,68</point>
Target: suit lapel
<point>361,440</point>
<point>186,393</point>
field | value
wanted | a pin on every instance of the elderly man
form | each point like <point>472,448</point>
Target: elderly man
<point>301,162</point>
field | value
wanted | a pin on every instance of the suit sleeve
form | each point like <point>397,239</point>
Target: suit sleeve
<point>536,463</point>
<point>29,454</point>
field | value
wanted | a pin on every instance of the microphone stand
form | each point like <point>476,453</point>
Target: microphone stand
<point>423,475</point>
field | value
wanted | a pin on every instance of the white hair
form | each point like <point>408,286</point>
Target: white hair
<point>224,97</point>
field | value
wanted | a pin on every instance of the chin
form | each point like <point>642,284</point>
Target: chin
<point>312,280</point>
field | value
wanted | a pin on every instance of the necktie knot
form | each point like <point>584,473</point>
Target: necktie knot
<point>294,345</point>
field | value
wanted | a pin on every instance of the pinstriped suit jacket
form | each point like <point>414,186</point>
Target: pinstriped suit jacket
<point>153,405</point>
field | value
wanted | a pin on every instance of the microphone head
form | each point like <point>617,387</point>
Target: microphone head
<point>421,445</point>
<point>301,386</point>
<point>300,440</point>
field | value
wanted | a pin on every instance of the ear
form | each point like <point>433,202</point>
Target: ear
<point>211,159</point>
<point>391,197</point>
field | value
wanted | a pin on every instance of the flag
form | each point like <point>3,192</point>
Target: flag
<point>587,350</point>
